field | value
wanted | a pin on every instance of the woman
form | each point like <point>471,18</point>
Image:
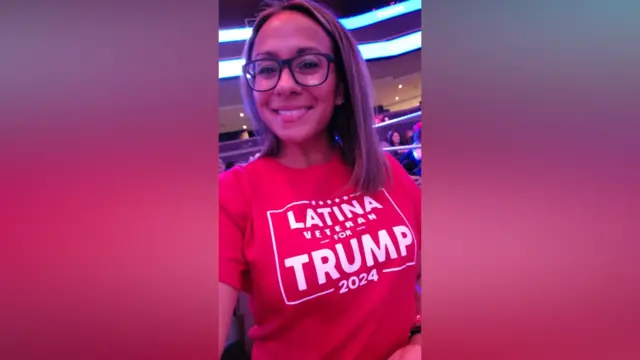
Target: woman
<point>322,229</point>
<point>394,139</point>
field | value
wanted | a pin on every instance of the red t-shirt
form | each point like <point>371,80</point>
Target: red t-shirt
<point>330,273</point>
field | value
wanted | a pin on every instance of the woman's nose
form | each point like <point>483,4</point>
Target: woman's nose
<point>287,83</point>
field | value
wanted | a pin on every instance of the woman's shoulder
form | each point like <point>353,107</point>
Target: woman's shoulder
<point>234,189</point>
<point>241,174</point>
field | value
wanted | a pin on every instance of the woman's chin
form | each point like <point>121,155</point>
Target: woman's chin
<point>294,139</point>
<point>297,136</point>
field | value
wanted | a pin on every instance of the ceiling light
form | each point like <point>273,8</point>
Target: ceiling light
<point>397,98</point>
<point>400,86</point>
<point>241,114</point>
<point>244,127</point>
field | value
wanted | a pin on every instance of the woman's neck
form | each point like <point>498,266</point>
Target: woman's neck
<point>309,153</point>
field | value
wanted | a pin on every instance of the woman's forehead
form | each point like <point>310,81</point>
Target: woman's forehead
<point>289,33</point>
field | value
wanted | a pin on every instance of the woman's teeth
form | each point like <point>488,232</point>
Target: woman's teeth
<point>296,112</point>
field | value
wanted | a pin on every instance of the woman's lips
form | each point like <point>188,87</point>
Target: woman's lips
<point>291,115</point>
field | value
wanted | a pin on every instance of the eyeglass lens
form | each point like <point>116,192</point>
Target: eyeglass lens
<point>307,70</point>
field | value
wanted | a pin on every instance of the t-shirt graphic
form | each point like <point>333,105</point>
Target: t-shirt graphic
<point>342,244</point>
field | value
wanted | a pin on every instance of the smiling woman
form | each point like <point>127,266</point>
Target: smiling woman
<point>293,92</point>
<point>327,249</point>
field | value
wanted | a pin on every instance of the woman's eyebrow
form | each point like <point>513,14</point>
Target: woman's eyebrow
<point>306,50</point>
<point>266,54</point>
<point>300,51</point>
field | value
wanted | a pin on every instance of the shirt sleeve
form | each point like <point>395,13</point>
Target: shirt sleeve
<point>401,179</point>
<point>233,220</point>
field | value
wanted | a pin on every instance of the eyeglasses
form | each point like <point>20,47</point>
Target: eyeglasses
<point>307,70</point>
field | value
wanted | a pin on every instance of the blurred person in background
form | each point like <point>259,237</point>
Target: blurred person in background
<point>412,160</point>
<point>408,136</point>
<point>394,139</point>
<point>230,165</point>
<point>221,166</point>
<point>380,118</point>
<point>302,225</point>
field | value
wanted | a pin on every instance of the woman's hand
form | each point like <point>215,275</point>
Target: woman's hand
<point>408,352</point>
<point>254,157</point>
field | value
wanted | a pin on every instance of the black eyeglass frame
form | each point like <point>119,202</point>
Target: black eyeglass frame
<point>282,63</point>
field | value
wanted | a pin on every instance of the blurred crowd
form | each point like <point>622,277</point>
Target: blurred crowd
<point>410,158</point>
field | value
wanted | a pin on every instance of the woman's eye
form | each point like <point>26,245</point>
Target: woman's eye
<point>267,70</point>
<point>307,65</point>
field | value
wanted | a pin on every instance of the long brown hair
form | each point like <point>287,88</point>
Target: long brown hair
<point>351,125</point>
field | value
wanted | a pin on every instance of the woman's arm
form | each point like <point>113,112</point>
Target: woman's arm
<point>227,300</point>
